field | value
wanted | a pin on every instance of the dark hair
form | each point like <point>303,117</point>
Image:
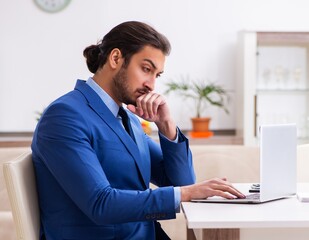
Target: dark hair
<point>130,38</point>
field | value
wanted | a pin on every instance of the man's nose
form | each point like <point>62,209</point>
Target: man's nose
<point>150,83</point>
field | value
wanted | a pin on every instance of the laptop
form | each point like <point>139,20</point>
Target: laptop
<point>278,159</point>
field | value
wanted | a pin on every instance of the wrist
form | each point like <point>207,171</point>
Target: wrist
<point>185,194</point>
<point>168,129</point>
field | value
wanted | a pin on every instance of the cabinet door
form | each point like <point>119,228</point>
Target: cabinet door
<point>246,87</point>
<point>274,81</point>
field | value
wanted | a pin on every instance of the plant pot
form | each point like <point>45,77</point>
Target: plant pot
<point>200,124</point>
<point>200,128</point>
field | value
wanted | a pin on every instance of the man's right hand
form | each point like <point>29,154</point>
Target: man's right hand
<point>209,188</point>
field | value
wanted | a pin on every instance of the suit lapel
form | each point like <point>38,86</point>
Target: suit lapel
<point>135,149</point>
<point>144,160</point>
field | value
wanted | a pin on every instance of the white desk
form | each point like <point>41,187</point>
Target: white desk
<point>229,218</point>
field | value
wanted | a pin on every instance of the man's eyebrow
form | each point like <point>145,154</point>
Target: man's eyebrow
<point>151,63</point>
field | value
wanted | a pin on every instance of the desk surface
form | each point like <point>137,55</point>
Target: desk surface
<point>287,212</point>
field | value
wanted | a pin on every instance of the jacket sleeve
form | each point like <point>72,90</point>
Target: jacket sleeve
<point>171,163</point>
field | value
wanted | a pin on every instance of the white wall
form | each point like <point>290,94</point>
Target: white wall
<point>41,53</point>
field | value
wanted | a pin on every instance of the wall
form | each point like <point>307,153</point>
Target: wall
<point>41,53</point>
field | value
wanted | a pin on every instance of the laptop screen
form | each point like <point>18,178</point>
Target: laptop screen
<point>278,156</point>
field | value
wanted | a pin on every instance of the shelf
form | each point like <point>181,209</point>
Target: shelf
<point>282,91</point>
<point>283,37</point>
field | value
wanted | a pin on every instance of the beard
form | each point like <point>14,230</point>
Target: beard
<point>121,88</point>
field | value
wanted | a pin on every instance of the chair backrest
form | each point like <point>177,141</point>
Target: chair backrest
<point>21,186</point>
<point>238,163</point>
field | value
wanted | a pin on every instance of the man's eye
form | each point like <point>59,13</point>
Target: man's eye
<point>146,69</point>
<point>158,75</point>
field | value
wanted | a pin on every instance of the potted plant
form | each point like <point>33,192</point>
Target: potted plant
<point>204,94</point>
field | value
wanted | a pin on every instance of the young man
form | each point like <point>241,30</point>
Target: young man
<point>93,161</point>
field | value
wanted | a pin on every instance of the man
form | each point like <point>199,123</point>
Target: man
<point>93,161</point>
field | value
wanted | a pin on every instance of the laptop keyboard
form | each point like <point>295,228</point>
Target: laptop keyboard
<point>253,196</point>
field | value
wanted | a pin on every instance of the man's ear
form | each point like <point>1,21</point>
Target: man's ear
<point>115,58</point>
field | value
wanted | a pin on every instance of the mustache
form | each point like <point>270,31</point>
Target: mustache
<point>143,90</point>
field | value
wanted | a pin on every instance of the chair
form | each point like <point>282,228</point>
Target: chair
<point>21,186</point>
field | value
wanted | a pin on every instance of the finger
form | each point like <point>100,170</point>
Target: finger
<point>136,110</point>
<point>149,103</point>
<point>232,190</point>
<point>220,181</point>
<point>228,188</point>
<point>156,100</point>
<point>142,104</point>
<point>236,193</point>
<point>132,108</point>
<point>223,194</point>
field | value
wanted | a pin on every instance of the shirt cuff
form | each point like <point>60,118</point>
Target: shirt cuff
<point>177,195</point>
<point>176,139</point>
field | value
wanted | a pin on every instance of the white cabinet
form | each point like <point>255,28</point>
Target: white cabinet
<point>272,82</point>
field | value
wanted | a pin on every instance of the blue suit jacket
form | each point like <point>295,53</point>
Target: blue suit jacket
<point>93,179</point>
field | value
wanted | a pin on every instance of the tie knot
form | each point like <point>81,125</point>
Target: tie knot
<point>122,113</point>
<point>126,122</point>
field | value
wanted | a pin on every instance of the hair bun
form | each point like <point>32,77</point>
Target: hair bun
<point>91,54</point>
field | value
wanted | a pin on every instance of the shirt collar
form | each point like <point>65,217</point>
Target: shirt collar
<point>109,102</point>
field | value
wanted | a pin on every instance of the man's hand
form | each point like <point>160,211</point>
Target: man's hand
<point>213,187</point>
<point>153,108</point>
